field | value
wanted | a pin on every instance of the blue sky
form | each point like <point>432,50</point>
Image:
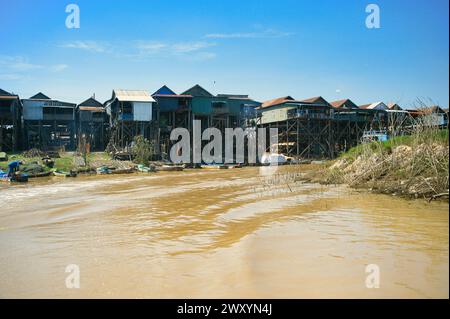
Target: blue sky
<point>265,48</point>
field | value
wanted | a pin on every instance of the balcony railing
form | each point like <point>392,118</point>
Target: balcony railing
<point>126,117</point>
<point>291,114</point>
<point>58,117</point>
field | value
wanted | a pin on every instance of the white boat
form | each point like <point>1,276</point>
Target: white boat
<point>274,158</point>
<point>214,166</point>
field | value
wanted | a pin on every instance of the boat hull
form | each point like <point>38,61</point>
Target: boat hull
<point>169,168</point>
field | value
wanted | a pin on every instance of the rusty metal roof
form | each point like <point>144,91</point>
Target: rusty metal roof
<point>277,101</point>
<point>342,103</point>
<point>91,108</point>
<point>315,99</point>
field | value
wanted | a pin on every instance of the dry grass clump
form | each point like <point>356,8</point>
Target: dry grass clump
<point>414,165</point>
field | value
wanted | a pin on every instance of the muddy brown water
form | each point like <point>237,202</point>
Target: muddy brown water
<point>214,234</point>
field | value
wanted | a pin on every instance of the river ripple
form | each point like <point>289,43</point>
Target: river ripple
<point>224,233</point>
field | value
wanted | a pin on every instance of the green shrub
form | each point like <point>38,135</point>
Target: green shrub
<point>142,150</point>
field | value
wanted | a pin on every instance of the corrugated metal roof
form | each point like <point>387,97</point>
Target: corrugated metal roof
<point>172,95</point>
<point>372,106</point>
<point>91,108</point>
<point>393,106</point>
<point>133,95</point>
<point>315,99</point>
<point>339,103</point>
<point>365,106</point>
<point>343,103</point>
<point>7,96</point>
<point>164,90</point>
<point>234,96</point>
<point>277,101</point>
<point>91,102</point>
<point>40,96</point>
<point>4,93</point>
<point>197,90</point>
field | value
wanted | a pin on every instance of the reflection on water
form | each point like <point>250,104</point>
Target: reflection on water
<point>217,234</point>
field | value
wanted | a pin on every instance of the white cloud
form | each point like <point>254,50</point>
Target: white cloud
<point>188,47</point>
<point>91,46</point>
<point>194,50</point>
<point>266,33</point>
<point>199,56</point>
<point>205,56</point>
<point>58,67</point>
<point>17,63</point>
<point>150,47</point>
<point>11,77</point>
<point>19,67</point>
<point>144,48</point>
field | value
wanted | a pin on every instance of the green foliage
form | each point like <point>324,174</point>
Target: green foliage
<point>142,150</point>
<point>427,136</point>
<point>64,163</point>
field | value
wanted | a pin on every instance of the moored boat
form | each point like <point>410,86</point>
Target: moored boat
<point>214,166</point>
<point>122,171</point>
<point>103,170</point>
<point>40,174</point>
<point>169,168</point>
<point>59,173</point>
<point>16,178</point>
<point>145,169</point>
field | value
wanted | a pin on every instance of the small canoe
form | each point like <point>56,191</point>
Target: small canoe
<point>122,171</point>
<point>169,168</point>
<point>40,174</point>
<point>103,170</point>
<point>64,174</point>
<point>17,178</point>
<point>145,169</point>
<point>214,166</point>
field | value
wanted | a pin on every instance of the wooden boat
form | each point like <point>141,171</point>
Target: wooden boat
<point>122,171</point>
<point>40,174</point>
<point>58,173</point>
<point>169,168</point>
<point>145,169</point>
<point>16,178</point>
<point>103,170</point>
<point>214,166</point>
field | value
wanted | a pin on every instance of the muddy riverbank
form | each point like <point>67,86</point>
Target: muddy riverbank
<point>225,233</point>
<point>412,166</point>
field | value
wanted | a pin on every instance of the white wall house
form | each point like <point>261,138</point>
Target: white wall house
<point>141,104</point>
